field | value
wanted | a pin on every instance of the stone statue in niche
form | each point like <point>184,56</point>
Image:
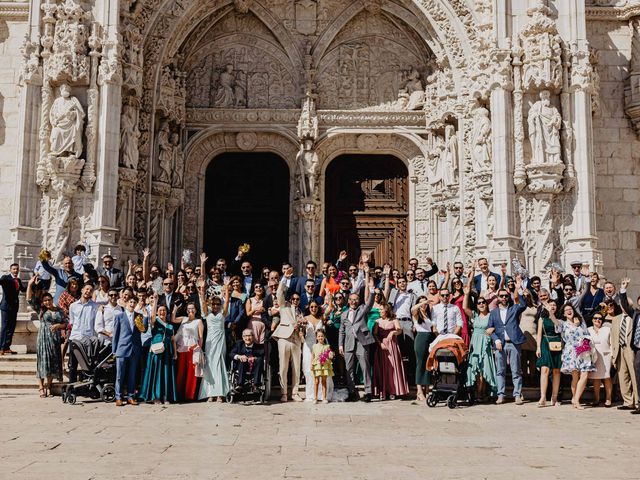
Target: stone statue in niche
<point>67,120</point>
<point>178,161</point>
<point>544,122</point>
<point>231,90</point>
<point>434,164</point>
<point>481,140</point>
<point>450,156</point>
<point>165,154</point>
<point>414,89</point>
<point>307,166</point>
<point>129,136</point>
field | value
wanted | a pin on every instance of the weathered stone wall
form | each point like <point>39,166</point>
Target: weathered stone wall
<point>616,155</point>
<point>12,32</point>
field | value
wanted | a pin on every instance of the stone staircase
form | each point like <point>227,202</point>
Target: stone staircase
<point>18,374</point>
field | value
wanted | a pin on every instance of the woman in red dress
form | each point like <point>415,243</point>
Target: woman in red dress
<point>457,298</point>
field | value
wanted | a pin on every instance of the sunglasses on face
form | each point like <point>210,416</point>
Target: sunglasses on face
<point>113,294</point>
<point>167,284</point>
<point>503,296</point>
<point>597,318</point>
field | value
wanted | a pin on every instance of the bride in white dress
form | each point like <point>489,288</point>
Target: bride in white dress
<point>313,324</point>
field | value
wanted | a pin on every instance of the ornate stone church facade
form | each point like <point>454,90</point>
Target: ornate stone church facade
<point>513,124</point>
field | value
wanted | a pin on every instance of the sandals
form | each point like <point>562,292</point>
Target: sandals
<point>542,403</point>
<point>43,392</point>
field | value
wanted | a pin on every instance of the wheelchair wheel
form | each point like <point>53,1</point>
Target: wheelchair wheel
<point>452,401</point>
<point>432,399</point>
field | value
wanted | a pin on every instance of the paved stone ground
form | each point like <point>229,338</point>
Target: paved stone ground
<point>43,438</point>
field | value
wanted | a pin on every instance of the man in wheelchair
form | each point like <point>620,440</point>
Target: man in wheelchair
<point>247,361</point>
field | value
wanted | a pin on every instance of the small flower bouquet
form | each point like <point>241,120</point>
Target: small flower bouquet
<point>583,347</point>
<point>139,322</point>
<point>324,356</point>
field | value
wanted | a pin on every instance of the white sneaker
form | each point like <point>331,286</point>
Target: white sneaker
<point>519,400</point>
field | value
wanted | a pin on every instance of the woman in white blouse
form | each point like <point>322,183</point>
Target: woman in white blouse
<point>601,337</point>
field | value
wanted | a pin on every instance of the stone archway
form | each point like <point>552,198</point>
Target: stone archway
<point>207,145</point>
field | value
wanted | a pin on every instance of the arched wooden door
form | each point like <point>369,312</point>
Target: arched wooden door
<point>366,198</point>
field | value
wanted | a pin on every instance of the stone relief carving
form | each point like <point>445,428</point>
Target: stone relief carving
<point>31,71</point>
<point>450,159</point>
<point>544,122</point>
<point>129,134</point>
<point>165,154</point>
<point>481,142</point>
<point>67,121</point>
<point>542,49</point>
<point>178,162</point>
<point>307,159</point>
<point>246,141</point>
<point>632,90</point>
<point>306,16</point>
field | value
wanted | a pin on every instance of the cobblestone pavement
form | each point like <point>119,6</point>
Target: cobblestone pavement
<point>43,438</point>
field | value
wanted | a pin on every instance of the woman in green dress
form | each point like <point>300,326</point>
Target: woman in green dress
<point>482,366</point>
<point>549,353</point>
<point>48,346</point>
<point>159,384</point>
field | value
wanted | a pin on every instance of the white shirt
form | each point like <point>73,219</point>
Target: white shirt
<point>82,319</point>
<point>484,285</point>
<point>39,269</point>
<point>105,319</point>
<point>419,287</point>
<point>402,305</point>
<point>503,317</point>
<point>454,317</point>
<point>424,327</point>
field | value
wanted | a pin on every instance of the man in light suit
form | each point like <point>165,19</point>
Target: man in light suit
<point>634,313</point>
<point>126,344</point>
<point>622,354</point>
<point>115,275</point>
<point>289,339</point>
<point>508,338</point>
<point>11,287</point>
<point>355,340</point>
<point>480,280</point>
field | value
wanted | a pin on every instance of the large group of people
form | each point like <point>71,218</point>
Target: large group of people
<point>176,334</point>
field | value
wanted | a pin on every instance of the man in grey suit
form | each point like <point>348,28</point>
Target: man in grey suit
<point>355,340</point>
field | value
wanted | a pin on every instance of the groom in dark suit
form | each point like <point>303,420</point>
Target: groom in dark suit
<point>11,288</point>
<point>127,346</point>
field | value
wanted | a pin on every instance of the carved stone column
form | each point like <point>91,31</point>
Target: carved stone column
<point>25,232</point>
<point>505,238</point>
<point>582,243</point>
<point>307,212</point>
<point>104,229</point>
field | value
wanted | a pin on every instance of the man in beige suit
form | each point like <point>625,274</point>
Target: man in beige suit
<point>289,339</point>
<point>622,355</point>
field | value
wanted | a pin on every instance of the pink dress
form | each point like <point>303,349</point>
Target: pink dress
<point>255,322</point>
<point>388,372</point>
<point>465,321</point>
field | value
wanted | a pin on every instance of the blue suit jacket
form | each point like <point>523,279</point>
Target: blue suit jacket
<point>125,341</point>
<point>511,326</point>
<point>477,280</point>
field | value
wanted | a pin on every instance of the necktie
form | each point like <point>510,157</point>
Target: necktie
<point>636,336</point>
<point>422,285</point>
<point>445,330</point>
<point>623,331</point>
<point>17,283</point>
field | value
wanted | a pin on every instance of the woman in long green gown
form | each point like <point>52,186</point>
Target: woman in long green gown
<point>482,366</point>
<point>215,382</point>
<point>49,354</point>
<point>159,384</point>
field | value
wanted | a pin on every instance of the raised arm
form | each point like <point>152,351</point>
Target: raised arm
<point>200,284</point>
<point>145,264</point>
<point>280,293</point>
<point>203,265</point>
<point>466,302</point>
<point>624,300</point>
<point>503,275</point>
<point>387,281</point>
<point>432,268</point>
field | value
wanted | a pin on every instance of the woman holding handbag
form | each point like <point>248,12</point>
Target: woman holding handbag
<point>549,352</point>
<point>159,383</point>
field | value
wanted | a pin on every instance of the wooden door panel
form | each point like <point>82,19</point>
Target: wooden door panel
<point>367,208</point>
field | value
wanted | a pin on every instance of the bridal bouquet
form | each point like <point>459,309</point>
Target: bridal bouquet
<point>583,347</point>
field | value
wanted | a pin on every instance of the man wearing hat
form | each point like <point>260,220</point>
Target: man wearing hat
<point>579,279</point>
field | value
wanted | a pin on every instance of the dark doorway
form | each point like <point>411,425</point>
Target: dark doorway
<point>247,201</point>
<point>367,208</point>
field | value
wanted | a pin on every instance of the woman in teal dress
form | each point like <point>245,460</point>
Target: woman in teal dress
<point>49,354</point>
<point>215,382</point>
<point>159,384</point>
<point>482,366</point>
<point>548,360</point>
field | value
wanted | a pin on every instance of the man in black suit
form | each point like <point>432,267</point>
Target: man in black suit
<point>290,281</point>
<point>115,275</point>
<point>308,296</point>
<point>11,288</point>
<point>170,298</point>
<point>249,358</point>
<point>310,273</point>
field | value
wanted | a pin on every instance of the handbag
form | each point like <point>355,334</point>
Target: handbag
<point>554,345</point>
<point>158,347</point>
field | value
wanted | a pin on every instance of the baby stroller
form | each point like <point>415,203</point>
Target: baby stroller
<point>260,392</point>
<point>96,372</point>
<point>449,377</point>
